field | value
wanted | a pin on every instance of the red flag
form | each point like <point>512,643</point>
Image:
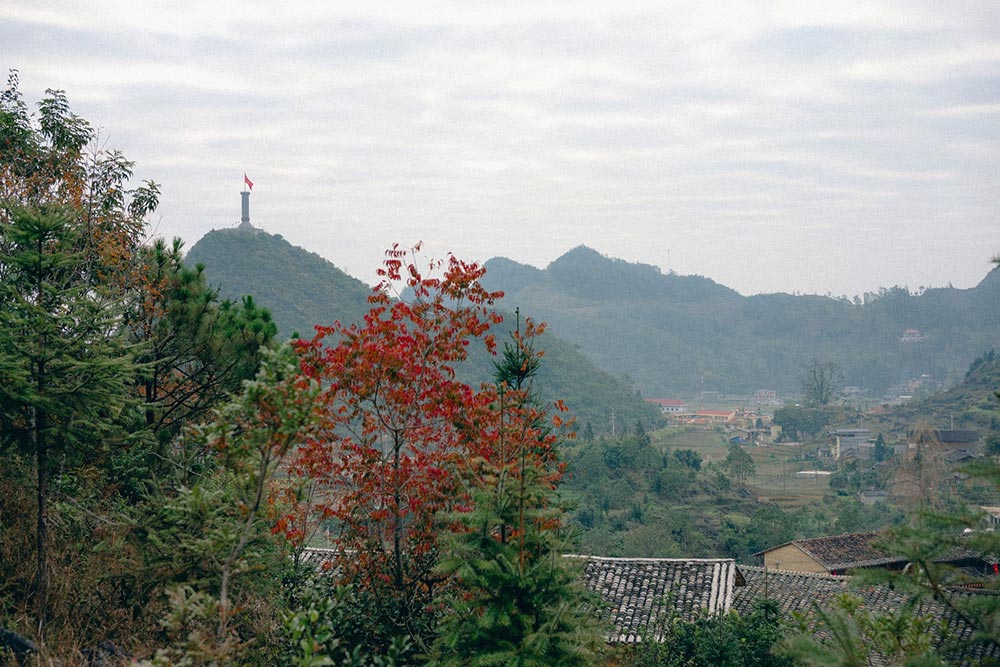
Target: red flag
<point>247,181</point>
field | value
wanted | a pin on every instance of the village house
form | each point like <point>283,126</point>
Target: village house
<point>830,555</point>
<point>852,443</point>
<point>669,406</point>
<point>753,435</point>
<point>765,397</point>
<point>840,554</point>
<point>955,456</point>
<point>872,497</point>
<point>955,439</point>
<point>804,592</point>
<point>710,417</point>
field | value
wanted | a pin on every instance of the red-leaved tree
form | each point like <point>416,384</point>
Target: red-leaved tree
<point>398,429</point>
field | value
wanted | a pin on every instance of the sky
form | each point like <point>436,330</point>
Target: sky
<point>827,148</point>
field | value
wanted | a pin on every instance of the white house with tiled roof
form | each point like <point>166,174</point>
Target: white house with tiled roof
<point>670,406</point>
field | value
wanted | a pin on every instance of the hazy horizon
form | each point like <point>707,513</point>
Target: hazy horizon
<point>424,254</point>
<point>812,147</point>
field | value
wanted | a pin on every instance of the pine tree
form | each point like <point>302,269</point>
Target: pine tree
<point>66,370</point>
<point>516,600</point>
<point>881,452</point>
<point>196,349</point>
<point>70,228</point>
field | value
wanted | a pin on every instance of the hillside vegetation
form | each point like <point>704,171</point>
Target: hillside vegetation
<point>971,404</point>
<point>681,334</point>
<point>301,289</point>
<point>674,493</point>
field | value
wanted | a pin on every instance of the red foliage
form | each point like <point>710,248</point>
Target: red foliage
<point>407,453</point>
<point>397,424</point>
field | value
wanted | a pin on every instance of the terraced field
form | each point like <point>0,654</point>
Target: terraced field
<point>777,465</point>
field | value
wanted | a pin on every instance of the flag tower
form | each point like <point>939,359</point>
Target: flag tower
<point>245,220</point>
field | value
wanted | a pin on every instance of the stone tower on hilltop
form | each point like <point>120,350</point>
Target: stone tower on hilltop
<point>245,194</point>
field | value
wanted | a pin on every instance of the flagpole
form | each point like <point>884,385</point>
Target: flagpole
<point>245,196</point>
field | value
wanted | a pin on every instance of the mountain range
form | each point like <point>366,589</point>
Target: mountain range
<point>301,289</point>
<point>661,333</point>
<point>673,334</point>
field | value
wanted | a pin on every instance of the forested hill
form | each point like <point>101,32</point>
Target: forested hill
<point>971,404</point>
<point>681,334</point>
<point>301,289</point>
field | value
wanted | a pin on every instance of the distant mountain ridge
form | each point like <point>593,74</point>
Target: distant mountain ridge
<point>302,289</point>
<point>682,334</point>
<point>666,334</point>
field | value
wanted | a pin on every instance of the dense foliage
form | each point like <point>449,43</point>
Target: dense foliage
<point>396,428</point>
<point>639,499</point>
<point>174,461</point>
<point>731,640</point>
<point>107,349</point>
<point>440,494</point>
<point>519,601</point>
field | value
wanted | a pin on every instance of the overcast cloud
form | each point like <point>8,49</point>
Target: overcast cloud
<point>775,146</point>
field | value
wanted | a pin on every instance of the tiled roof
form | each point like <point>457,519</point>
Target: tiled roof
<point>640,592</point>
<point>956,455</point>
<point>843,552</point>
<point>850,550</point>
<point>321,559</point>
<point>855,550</point>
<point>947,436</point>
<point>796,592</point>
<point>667,402</point>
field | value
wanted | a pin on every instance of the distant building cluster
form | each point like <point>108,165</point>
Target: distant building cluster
<point>954,445</point>
<point>745,424</point>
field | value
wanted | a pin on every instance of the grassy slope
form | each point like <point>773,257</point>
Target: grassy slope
<point>300,288</point>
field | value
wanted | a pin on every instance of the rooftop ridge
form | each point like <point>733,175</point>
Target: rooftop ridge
<point>818,575</point>
<point>651,560</point>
